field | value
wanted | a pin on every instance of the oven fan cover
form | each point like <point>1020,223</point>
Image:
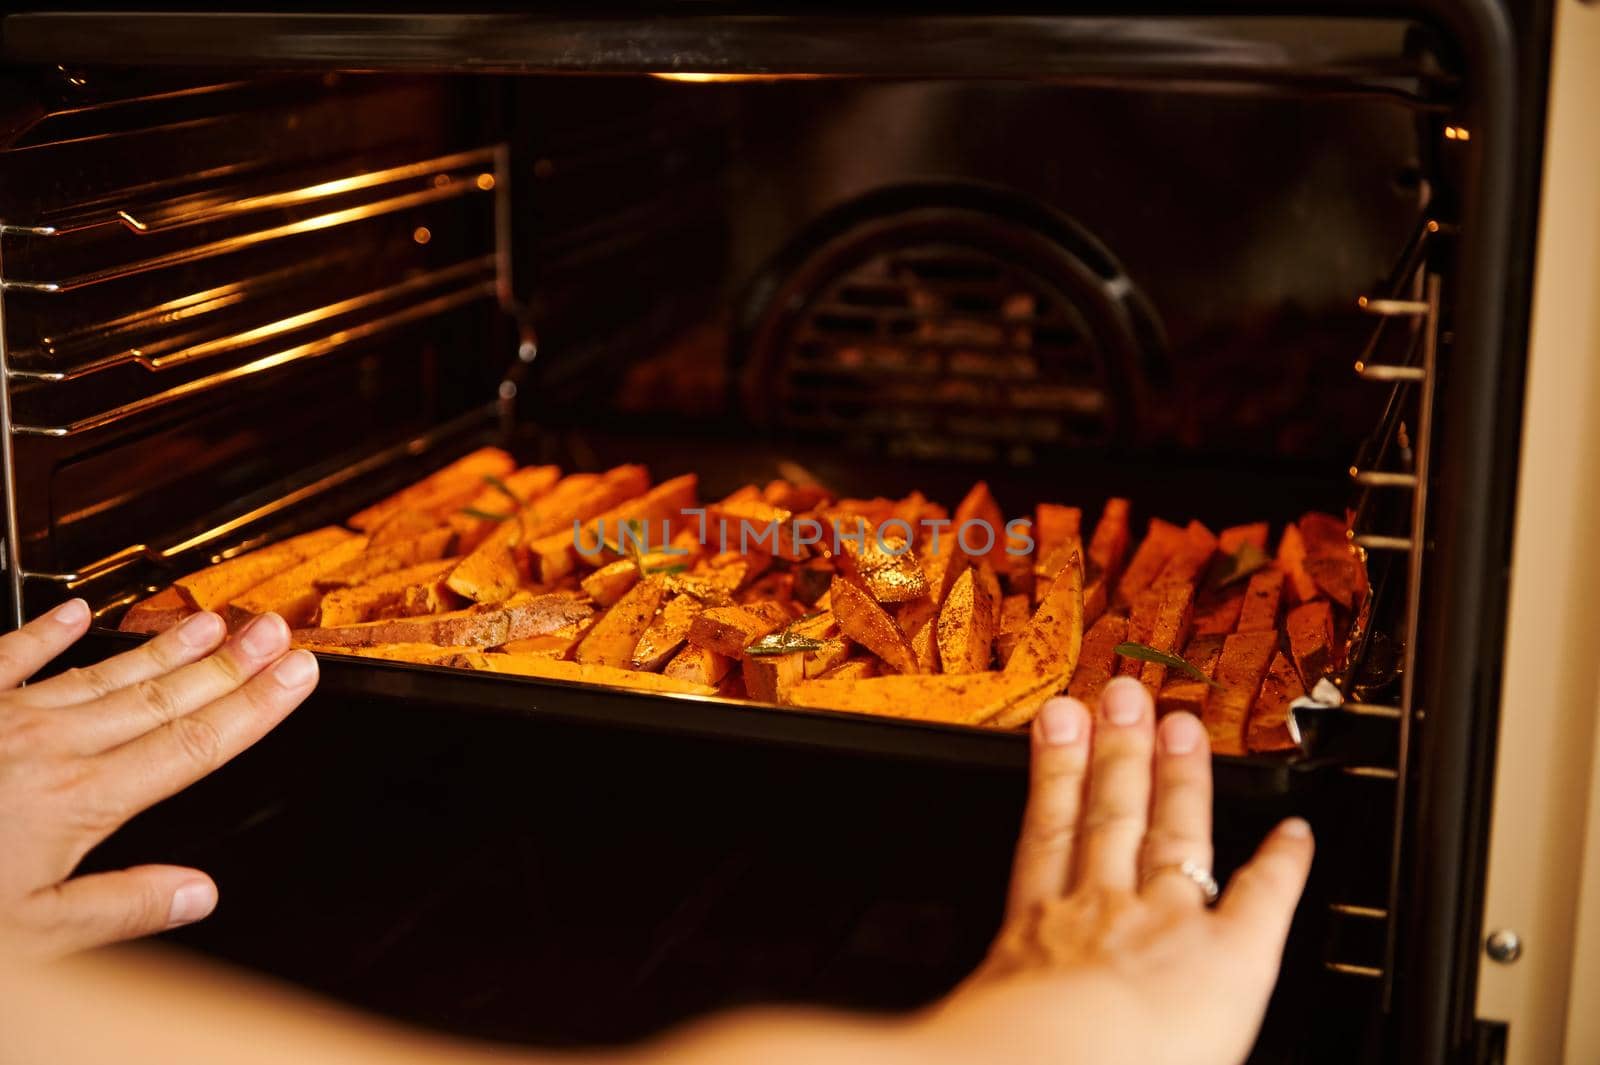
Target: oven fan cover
<point>948,320</point>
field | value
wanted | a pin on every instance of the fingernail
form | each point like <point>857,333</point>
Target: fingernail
<point>1295,828</point>
<point>297,669</point>
<point>1061,721</point>
<point>71,613</point>
<point>1181,733</point>
<point>191,902</point>
<point>1123,701</point>
<point>200,630</point>
<point>264,635</point>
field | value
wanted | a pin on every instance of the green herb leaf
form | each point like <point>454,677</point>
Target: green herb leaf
<point>504,489</point>
<point>1236,567</point>
<point>1145,653</point>
<point>783,643</point>
<point>485,515</point>
<point>678,568</point>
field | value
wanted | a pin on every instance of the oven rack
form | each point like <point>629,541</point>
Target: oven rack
<point>266,302</point>
<point>1394,459</point>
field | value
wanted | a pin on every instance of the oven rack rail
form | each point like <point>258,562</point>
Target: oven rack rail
<point>1394,459</point>
<point>185,344</point>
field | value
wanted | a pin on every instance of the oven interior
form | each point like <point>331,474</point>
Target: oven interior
<point>237,303</point>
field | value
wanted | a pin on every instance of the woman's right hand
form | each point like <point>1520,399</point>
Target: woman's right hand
<point>84,751</point>
<point>1109,952</point>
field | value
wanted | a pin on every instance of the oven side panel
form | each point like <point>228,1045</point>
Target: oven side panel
<point>1546,749</point>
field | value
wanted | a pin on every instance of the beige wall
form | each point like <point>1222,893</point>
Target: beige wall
<point>1546,826</point>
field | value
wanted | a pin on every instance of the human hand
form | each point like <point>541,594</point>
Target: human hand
<point>83,752</point>
<point>1108,952</point>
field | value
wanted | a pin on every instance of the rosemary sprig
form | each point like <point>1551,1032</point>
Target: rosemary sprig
<point>504,489</point>
<point>486,515</point>
<point>1231,569</point>
<point>1145,653</point>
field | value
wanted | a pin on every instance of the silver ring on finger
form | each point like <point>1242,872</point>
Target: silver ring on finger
<point>1194,872</point>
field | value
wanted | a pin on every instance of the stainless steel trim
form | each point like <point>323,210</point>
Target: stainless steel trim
<point>1383,478</point>
<point>1350,909</point>
<point>1372,710</point>
<point>13,538</point>
<point>1376,542</point>
<point>1392,308</point>
<point>1353,970</point>
<point>1382,372</point>
<point>1370,772</point>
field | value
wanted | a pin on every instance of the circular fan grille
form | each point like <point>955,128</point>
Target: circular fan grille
<point>940,325</point>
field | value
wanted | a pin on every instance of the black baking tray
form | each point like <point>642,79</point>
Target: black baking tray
<point>503,695</point>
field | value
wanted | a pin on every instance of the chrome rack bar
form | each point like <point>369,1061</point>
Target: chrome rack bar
<point>126,556</point>
<point>309,350</point>
<point>199,208</point>
<point>222,345</point>
<point>184,256</point>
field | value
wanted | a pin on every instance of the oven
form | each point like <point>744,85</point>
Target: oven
<point>260,270</point>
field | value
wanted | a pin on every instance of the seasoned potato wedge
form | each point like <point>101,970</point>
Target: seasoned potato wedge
<point>866,622</point>
<point>157,613</point>
<point>442,492</point>
<point>214,587</point>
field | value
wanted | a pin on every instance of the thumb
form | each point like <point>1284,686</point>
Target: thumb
<point>1261,897</point>
<point>90,911</point>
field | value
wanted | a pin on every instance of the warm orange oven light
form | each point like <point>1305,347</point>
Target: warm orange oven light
<point>701,78</point>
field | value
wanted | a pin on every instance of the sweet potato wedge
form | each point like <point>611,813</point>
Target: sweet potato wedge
<point>1232,540</point>
<point>1048,648</point>
<point>559,644</point>
<point>955,698</point>
<point>1310,630</point>
<point>699,665</point>
<point>590,673</point>
<point>1240,671</point>
<point>1268,728</point>
<point>1098,662</point>
<point>294,593</point>
<point>397,555</point>
<point>422,654</point>
<point>615,635</point>
<point>867,623</point>
<point>666,633</point>
<point>401,526</point>
<point>1259,611</point>
<point>513,493</point>
<point>980,508</point>
<point>1191,558</point>
<point>770,678</point>
<point>1180,691</point>
<point>1158,546</point>
<point>442,491</point>
<point>966,626</point>
<point>1170,630</point>
<point>1108,551</point>
<point>493,570</point>
<point>1298,585</point>
<point>886,565</point>
<point>1057,533</point>
<point>646,522</point>
<point>754,526</point>
<point>853,669</point>
<point>214,587</point>
<point>1015,610</point>
<point>1332,562</point>
<point>157,613</point>
<point>478,626</point>
<point>728,630</point>
<point>383,596</point>
<point>919,620</point>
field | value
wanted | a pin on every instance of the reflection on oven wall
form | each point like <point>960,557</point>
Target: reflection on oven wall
<point>1249,222</point>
